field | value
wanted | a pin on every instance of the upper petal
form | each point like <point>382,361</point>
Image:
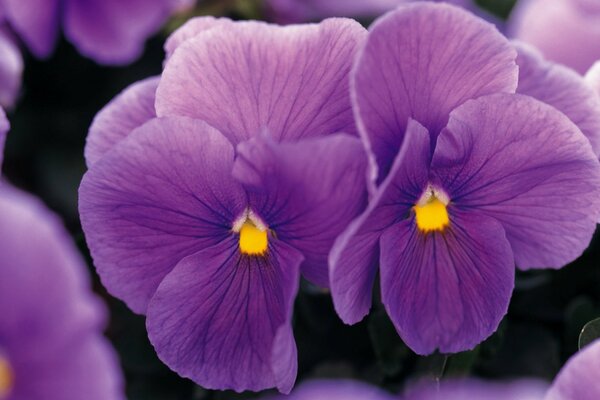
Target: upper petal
<point>562,88</point>
<point>114,31</point>
<point>250,77</point>
<point>307,192</point>
<point>354,256</point>
<point>131,108</point>
<point>36,22</point>
<point>163,193</point>
<point>446,291</point>
<point>578,379</point>
<point>528,166</point>
<point>190,29</point>
<point>215,317</point>
<point>421,61</point>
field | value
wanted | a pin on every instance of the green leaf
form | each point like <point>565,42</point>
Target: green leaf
<point>589,333</point>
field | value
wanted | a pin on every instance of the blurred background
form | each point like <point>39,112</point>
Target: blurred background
<point>44,155</point>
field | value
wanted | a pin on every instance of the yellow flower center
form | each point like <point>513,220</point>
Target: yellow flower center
<point>431,216</point>
<point>253,241</point>
<point>6,378</point>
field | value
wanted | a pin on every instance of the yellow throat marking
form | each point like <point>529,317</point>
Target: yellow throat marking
<point>6,378</point>
<point>253,241</point>
<point>431,216</point>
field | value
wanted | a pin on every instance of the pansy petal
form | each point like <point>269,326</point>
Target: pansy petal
<point>592,77</point>
<point>11,70</point>
<point>471,389</point>
<point>446,291</point>
<point>578,379</point>
<point>528,166</point>
<point>36,22</point>
<point>562,88</point>
<point>114,31</point>
<point>338,389</point>
<point>191,28</point>
<point>131,108</point>
<point>421,61</point>
<point>214,318</point>
<point>307,192</point>
<point>252,77</point>
<point>163,193</point>
<point>4,127</point>
<point>353,259</point>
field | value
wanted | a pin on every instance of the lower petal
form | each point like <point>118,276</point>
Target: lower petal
<point>446,290</point>
<point>224,320</point>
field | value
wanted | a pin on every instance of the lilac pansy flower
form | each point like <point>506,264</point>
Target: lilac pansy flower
<point>473,180</point>
<point>204,217</point>
<point>565,31</point>
<point>51,345</point>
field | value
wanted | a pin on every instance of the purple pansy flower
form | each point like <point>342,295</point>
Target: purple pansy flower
<point>565,31</point>
<point>204,217</point>
<point>51,345</point>
<point>474,179</point>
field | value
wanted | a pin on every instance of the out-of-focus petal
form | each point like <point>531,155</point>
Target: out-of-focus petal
<point>478,390</point>
<point>36,22</point>
<point>251,77</point>
<point>592,77</point>
<point>337,390</point>
<point>421,61</point>
<point>4,128</point>
<point>562,88</point>
<point>114,31</point>
<point>578,379</point>
<point>355,254</point>
<point>295,11</point>
<point>565,31</point>
<point>446,291</point>
<point>215,317</point>
<point>307,192</point>
<point>527,165</point>
<point>51,321</point>
<point>131,108</point>
<point>163,193</point>
<point>11,71</point>
<point>190,29</point>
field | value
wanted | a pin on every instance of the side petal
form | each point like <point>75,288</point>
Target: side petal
<point>131,108</point>
<point>421,61</point>
<point>578,379</point>
<point>528,166</point>
<point>11,71</point>
<point>190,29</point>
<point>354,256</point>
<point>250,77</point>
<point>163,193</point>
<point>36,22</point>
<point>214,318</point>
<point>307,192</point>
<point>446,291</point>
<point>562,88</point>
<point>114,31</point>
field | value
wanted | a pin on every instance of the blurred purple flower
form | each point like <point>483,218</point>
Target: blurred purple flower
<point>51,346</point>
<point>565,31</point>
<point>336,390</point>
<point>204,218</point>
<point>4,127</point>
<point>474,179</point>
<point>11,69</point>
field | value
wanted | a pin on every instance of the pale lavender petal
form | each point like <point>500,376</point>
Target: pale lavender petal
<point>11,71</point>
<point>337,390</point>
<point>478,390</point>
<point>163,193</point>
<point>251,77</point>
<point>562,88</point>
<point>527,165</point>
<point>565,31</point>
<point>36,22</point>
<point>592,77</point>
<point>131,108</point>
<point>214,318</point>
<point>421,61</point>
<point>190,29</point>
<point>307,192</point>
<point>578,379</point>
<point>51,323</point>
<point>355,254</point>
<point>114,31</point>
<point>446,291</point>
